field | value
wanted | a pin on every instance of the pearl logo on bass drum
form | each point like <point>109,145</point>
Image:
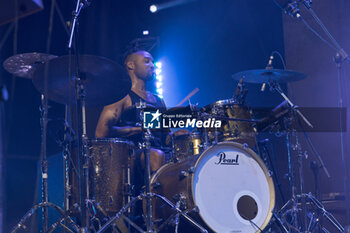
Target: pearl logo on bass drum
<point>227,161</point>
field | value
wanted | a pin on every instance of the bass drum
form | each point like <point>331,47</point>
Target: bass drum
<point>226,189</point>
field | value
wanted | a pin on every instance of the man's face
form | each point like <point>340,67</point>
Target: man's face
<point>143,65</point>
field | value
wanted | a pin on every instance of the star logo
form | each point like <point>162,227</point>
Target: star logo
<point>156,115</point>
<point>151,120</point>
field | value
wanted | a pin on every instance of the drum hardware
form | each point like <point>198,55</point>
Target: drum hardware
<point>142,196</point>
<point>186,173</point>
<point>340,57</point>
<point>276,116</point>
<point>82,89</point>
<point>65,217</point>
<point>24,65</point>
<point>240,93</point>
<point>299,217</point>
<point>276,87</point>
<point>300,155</point>
<point>314,217</point>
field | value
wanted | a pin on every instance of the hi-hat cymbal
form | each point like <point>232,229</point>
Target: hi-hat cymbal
<point>104,81</point>
<point>266,75</point>
<point>23,65</point>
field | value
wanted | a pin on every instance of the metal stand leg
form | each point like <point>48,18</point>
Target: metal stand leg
<point>144,196</point>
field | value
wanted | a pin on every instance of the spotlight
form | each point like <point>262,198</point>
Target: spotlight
<point>145,32</point>
<point>153,8</point>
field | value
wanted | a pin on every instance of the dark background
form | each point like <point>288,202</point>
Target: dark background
<point>202,44</point>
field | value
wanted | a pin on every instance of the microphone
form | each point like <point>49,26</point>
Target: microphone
<point>268,67</point>
<point>290,7</point>
<point>240,93</point>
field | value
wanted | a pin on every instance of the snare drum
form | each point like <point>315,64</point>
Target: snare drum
<point>110,176</point>
<point>226,189</point>
<point>238,131</point>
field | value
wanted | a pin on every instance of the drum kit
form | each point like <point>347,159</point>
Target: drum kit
<point>213,180</point>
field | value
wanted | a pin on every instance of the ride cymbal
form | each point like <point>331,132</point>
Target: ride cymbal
<point>266,75</point>
<point>104,81</point>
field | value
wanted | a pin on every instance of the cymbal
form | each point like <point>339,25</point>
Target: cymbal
<point>266,75</point>
<point>23,65</point>
<point>104,81</point>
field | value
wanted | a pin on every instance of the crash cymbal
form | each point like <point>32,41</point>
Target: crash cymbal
<point>23,65</point>
<point>104,81</point>
<point>265,75</point>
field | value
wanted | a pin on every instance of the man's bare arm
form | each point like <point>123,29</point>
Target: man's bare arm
<point>106,126</point>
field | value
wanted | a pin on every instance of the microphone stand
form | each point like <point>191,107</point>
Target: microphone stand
<point>341,56</point>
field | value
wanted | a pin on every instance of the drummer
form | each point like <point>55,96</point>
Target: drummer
<point>140,67</point>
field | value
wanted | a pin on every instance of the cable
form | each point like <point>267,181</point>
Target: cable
<point>281,57</point>
<point>317,34</point>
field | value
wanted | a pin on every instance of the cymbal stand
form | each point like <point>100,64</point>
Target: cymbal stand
<point>339,58</point>
<point>20,227</point>
<point>147,195</point>
<point>44,205</point>
<point>303,226</point>
<point>82,135</point>
<point>300,155</point>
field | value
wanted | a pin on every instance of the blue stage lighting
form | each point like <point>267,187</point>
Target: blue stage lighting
<point>159,78</point>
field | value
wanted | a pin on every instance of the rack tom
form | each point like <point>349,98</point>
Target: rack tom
<point>186,145</point>
<point>231,130</point>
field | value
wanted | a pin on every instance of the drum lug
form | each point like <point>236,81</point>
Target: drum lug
<point>184,174</point>
<point>269,173</point>
<point>191,170</point>
<point>181,201</point>
<point>195,209</point>
<point>111,200</point>
<point>156,185</point>
<point>128,189</point>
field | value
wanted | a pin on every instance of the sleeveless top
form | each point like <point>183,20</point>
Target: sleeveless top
<point>131,117</point>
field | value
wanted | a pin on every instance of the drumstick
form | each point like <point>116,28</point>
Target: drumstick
<point>192,93</point>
